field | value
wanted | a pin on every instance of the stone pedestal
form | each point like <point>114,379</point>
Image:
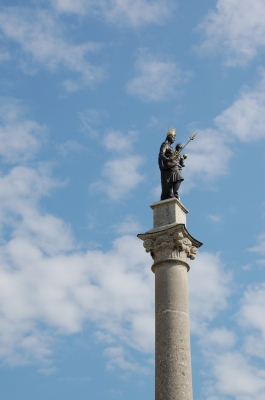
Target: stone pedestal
<point>170,244</point>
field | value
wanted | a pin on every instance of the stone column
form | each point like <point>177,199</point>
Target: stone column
<point>170,244</point>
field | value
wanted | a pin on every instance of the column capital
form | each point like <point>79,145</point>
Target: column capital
<point>170,244</point>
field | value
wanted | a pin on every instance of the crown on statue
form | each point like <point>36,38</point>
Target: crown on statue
<point>171,132</point>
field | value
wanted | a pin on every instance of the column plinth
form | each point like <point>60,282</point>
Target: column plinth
<point>170,245</point>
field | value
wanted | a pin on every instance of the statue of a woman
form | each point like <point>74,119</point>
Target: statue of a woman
<point>171,176</point>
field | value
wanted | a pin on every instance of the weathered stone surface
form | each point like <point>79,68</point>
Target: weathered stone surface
<point>170,245</point>
<point>168,212</point>
<point>173,363</point>
<point>173,242</point>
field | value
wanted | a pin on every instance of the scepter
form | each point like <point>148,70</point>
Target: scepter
<point>177,153</point>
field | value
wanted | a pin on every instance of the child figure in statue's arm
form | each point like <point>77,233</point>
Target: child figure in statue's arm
<point>176,174</point>
<point>180,158</point>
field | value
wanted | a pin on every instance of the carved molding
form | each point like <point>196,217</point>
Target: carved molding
<point>173,244</point>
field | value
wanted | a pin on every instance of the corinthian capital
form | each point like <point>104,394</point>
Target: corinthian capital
<point>169,244</point>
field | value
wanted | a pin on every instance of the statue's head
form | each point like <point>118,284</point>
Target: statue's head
<point>171,134</point>
<point>178,147</point>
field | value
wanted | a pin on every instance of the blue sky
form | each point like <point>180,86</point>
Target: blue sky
<point>88,90</point>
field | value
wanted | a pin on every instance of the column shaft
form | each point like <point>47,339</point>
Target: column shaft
<point>173,360</point>
<point>170,245</point>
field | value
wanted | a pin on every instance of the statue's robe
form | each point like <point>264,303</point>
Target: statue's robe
<point>170,170</point>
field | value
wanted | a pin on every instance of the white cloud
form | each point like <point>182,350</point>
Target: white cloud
<point>219,338</point>
<point>120,12</point>
<point>70,147</point>
<point>209,287</point>
<point>250,317</point>
<point>154,122</point>
<point>41,282</point>
<point>230,371</point>
<point>21,190</point>
<point>215,218</point>
<point>33,236</point>
<point>43,43</point>
<point>157,78</point>
<point>62,291</point>
<point>128,225</point>
<point>254,345</point>
<point>232,363</point>
<point>230,367</point>
<point>235,371</point>
<point>245,118</point>
<point>4,55</point>
<point>208,158</point>
<point>45,278</point>
<point>235,377</point>
<point>260,247</point>
<point>90,120</point>
<point>20,137</point>
<point>49,287</point>
<point>138,12</point>
<point>209,154</point>
<point>236,29</point>
<point>69,6</point>
<point>119,141</point>
<point>117,358</point>
<point>120,176</point>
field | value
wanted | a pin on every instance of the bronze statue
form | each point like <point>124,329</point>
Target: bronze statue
<point>171,164</point>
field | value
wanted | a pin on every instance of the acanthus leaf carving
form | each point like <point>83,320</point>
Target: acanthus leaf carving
<point>173,245</point>
<point>178,237</point>
<point>148,245</point>
<point>164,242</point>
<point>192,253</point>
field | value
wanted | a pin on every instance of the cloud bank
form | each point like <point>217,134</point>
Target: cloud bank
<point>42,43</point>
<point>50,287</point>
<point>211,151</point>
<point>132,13</point>
<point>156,78</point>
<point>235,29</point>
